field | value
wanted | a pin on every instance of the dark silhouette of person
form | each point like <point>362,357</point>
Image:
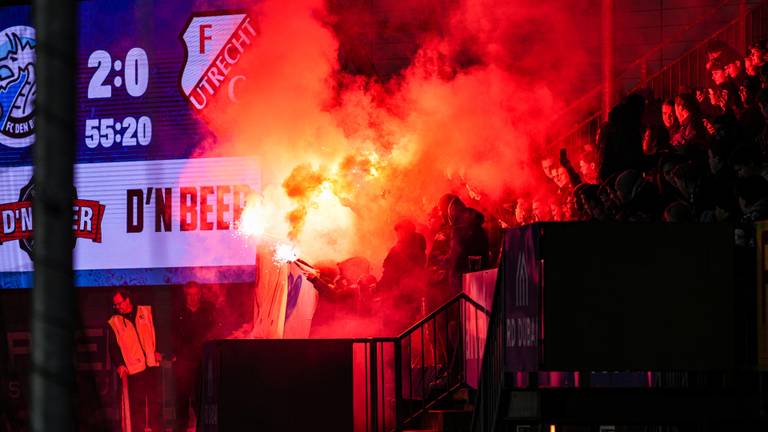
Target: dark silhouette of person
<point>620,139</point>
<point>194,322</point>
<point>403,277</point>
<point>465,238</point>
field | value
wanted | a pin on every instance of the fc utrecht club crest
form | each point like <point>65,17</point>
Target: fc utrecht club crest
<point>17,86</point>
<point>214,44</point>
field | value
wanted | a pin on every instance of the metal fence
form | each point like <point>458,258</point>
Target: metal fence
<point>688,70</point>
<point>403,377</point>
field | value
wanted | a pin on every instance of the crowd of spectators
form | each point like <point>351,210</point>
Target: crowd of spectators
<point>699,157</point>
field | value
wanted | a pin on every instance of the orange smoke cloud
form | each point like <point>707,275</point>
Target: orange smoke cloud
<point>299,186</point>
<point>345,155</point>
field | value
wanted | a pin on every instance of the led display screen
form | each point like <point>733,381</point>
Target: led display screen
<point>148,208</point>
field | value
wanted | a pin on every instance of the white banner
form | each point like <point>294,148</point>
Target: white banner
<point>140,215</point>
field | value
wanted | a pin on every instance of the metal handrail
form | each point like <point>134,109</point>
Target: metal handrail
<point>445,353</point>
<point>443,307</point>
<point>701,46</point>
<point>644,58</point>
<point>452,364</point>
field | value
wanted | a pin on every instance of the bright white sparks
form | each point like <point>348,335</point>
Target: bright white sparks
<point>285,253</point>
<point>253,221</point>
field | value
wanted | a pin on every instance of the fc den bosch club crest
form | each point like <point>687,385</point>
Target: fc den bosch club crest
<point>17,86</point>
<point>214,44</point>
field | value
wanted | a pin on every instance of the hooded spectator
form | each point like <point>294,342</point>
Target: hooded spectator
<point>689,180</point>
<point>620,139</point>
<point>592,204</point>
<point>727,131</point>
<point>746,161</point>
<point>752,193</point>
<point>749,116</point>
<point>403,266</point>
<point>639,199</point>
<point>762,74</point>
<point>609,199</point>
<point>440,231</point>
<point>467,239</point>
<point>749,87</point>
<point>717,50</point>
<point>403,275</point>
<point>761,140</point>
<point>678,212</point>
<point>579,209</point>
<point>664,180</point>
<point>720,182</point>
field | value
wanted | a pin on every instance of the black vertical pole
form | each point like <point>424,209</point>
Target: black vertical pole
<point>398,356</point>
<point>374,387</point>
<point>53,298</point>
<point>609,79</point>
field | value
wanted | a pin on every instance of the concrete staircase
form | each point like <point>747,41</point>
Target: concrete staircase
<point>454,414</point>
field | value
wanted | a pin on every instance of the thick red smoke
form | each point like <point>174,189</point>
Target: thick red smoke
<point>346,150</point>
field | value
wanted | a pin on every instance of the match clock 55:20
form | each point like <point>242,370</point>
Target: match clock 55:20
<point>127,132</point>
<point>130,74</point>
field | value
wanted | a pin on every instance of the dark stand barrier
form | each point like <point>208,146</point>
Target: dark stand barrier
<point>277,385</point>
<point>638,297</point>
<point>583,296</point>
<point>621,324</point>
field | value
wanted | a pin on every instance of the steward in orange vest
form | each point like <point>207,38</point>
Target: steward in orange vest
<point>134,353</point>
<point>136,339</point>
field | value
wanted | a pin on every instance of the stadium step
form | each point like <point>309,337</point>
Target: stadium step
<point>450,420</point>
